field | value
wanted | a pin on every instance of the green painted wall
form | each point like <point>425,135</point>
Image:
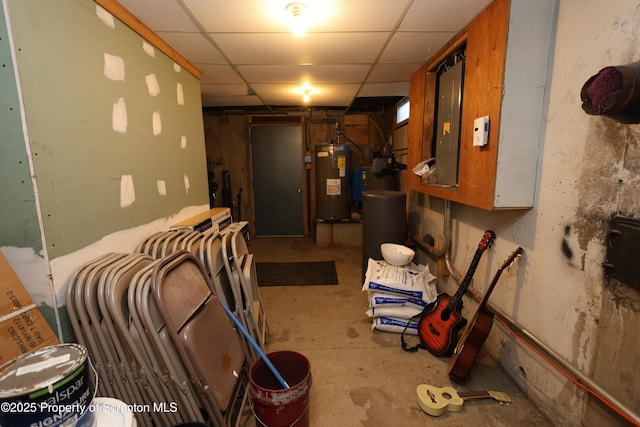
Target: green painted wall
<point>76,63</point>
<point>17,202</point>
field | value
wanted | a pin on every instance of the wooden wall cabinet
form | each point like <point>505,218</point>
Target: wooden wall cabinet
<point>507,57</point>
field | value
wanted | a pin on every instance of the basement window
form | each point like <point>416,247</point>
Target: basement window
<point>402,111</point>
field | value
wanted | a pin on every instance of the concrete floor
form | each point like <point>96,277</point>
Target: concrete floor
<point>363,377</point>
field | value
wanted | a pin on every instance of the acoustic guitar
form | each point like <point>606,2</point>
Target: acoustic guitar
<point>438,400</point>
<point>442,320</point>
<point>476,332</point>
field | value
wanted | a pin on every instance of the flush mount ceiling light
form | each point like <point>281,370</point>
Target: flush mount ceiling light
<point>297,12</point>
<point>306,91</point>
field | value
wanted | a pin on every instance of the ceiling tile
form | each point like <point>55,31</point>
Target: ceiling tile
<point>382,73</point>
<point>438,15</point>
<point>195,47</point>
<point>355,15</point>
<point>257,16</point>
<point>218,74</point>
<point>160,15</point>
<point>414,47</point>
<point>231,101</point>
<point>385,89</point>
<point>224,90</point>
<point>300,73</point>
<point>248,47</point>
<point>322,95</point>
<point>329,101</point>
<point>266,16</point>
<point>326,48</point>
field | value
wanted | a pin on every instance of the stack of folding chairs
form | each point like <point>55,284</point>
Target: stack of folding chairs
<point>157,333</point>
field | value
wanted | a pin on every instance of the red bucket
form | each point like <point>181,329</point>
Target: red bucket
<point>274,406</point>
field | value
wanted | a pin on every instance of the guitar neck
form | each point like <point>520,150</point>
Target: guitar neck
<point>487,238</point>
<point>455,299</point>
<point>496,277</point>
<point>485,297</point>
<point>496,395</point>
<point>468,395</point>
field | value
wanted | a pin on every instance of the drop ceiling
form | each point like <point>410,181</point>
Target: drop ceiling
<point>352,50</point>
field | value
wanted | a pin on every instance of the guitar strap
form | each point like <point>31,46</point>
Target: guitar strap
<point>415,319</point>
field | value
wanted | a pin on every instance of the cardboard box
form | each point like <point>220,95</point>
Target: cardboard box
<point>216,218</point>
<point>23,328</point>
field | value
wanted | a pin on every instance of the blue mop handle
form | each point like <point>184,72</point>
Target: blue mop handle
<point>256,346</point>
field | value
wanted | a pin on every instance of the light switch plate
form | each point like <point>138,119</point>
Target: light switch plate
<point>481,131</point>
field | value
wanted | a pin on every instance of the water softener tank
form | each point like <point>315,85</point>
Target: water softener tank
<point>333,171</point>
<point>384,220</point>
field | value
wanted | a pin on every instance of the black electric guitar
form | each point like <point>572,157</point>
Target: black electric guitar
<point>441,321</point>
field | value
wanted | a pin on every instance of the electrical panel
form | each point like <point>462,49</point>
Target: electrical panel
<point>449,110</point>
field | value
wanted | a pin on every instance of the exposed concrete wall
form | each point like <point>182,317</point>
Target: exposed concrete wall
<point>588,170</point>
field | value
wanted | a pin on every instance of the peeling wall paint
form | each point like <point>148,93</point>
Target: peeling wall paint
<point>121,241</point>
<point>47,283</point>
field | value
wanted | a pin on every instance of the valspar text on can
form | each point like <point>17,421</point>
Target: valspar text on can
<point>50,387</point>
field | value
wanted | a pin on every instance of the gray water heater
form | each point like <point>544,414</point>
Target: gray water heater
<point>333,172</point>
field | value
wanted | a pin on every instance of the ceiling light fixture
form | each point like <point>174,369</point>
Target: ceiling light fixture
<point>296,10</point>
<point>306,90</point>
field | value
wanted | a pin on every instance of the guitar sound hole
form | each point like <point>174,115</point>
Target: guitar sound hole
<point>447,395</point>
<point>433,330</point>
<point>445,315</point>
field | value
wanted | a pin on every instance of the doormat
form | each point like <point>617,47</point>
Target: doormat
<point>296,273</point>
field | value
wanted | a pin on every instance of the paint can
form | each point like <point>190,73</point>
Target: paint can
<point>274,406</point>
<point>53,387</point>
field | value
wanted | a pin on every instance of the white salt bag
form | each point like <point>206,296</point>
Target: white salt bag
<point>387,278</point>
<point>392,324</point>
<point>399,312</point>
<point>381,299</point>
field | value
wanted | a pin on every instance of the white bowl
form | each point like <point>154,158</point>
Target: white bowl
<point>396,254</point>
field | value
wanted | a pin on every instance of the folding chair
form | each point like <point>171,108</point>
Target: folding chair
<point>202,254</point>
<point>204,336</point>
<point>86,284</point>
<point>253,306</point>
<point>192,243</point>
<point>223,285</point>
<point>233,284</point>
<point>167,245</point>
<point>219,275</point>
<point>112,300</point>
<point>167,362</point>
<point>176,244</point>
<point>119,275</point>
<point>79,318</point>
<point>144,246</point>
